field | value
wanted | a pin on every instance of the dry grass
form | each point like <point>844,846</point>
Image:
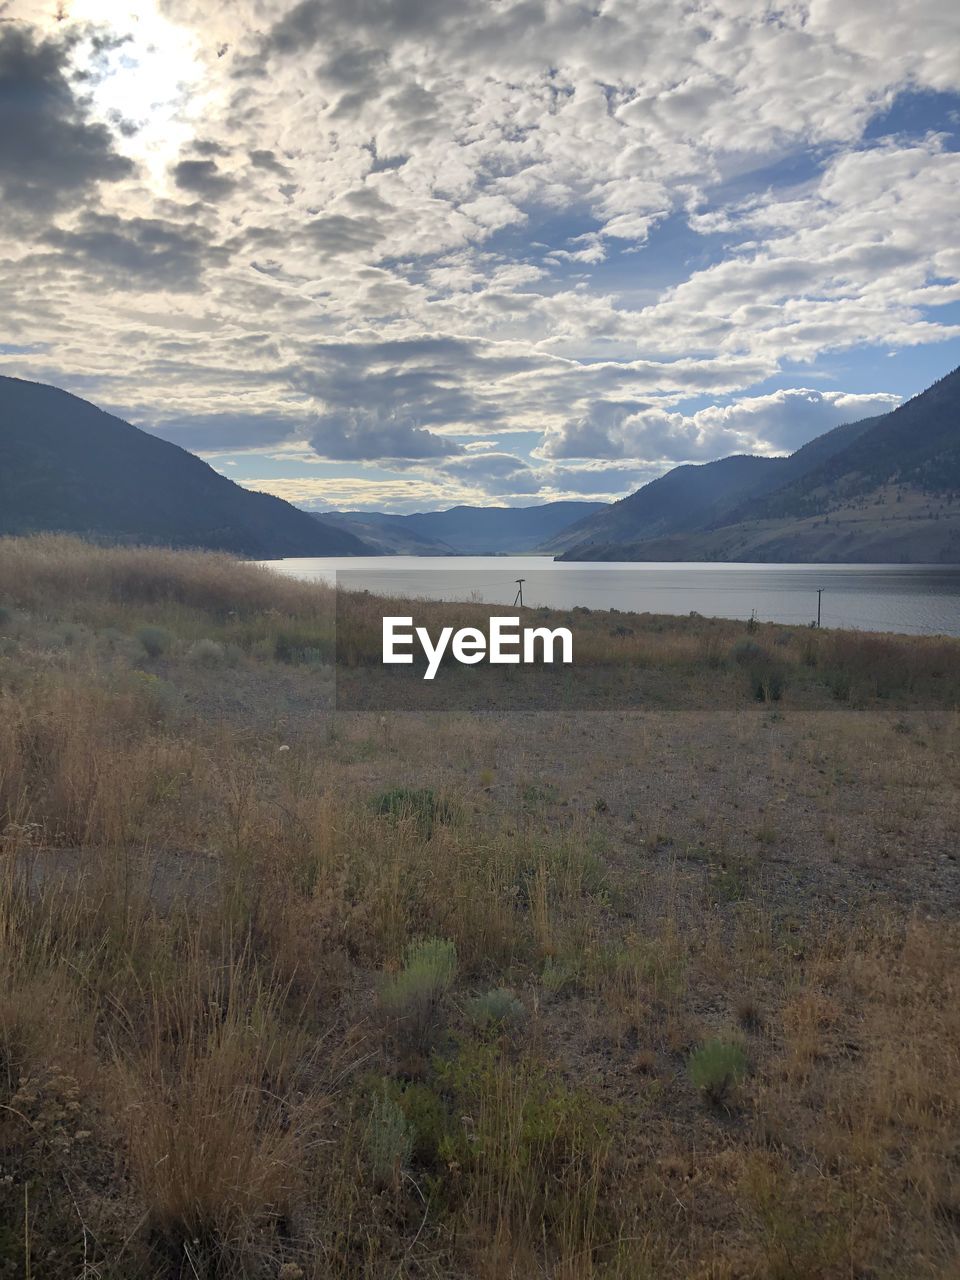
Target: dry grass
<point>205,906</point>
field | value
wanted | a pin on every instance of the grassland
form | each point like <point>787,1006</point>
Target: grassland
<point>286,992</point>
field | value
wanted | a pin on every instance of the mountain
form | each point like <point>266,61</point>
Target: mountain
<point>885,489</point>
<point>674,503</point>
<point>388,535</point>
<point>915,446</point>
<point>68,467</point>
<point>464,530</point>
<point>691,497</point>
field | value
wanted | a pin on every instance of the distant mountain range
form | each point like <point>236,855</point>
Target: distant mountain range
<point>67,466</point>
<point>883,489</point>
<point>886,489</point>
<point>463,530</point>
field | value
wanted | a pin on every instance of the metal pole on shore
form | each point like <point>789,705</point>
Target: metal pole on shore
<point>819,594</point>
<point>519,599</point>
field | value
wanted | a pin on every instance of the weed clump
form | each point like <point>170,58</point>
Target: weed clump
<point>768,680</point>
<point>303,650</point>
<point>156,641</point>
<point>418,805</point>
<point>529,1151</point>
<point>766,676</point>
<point>388,1141</point>
<point>840,684</point>
<point>716,1067</point>
<point>559,975</point>
<point>747,652</point>
<point>207,653</point>
<point>413,999</point>
<point>496,1010</point>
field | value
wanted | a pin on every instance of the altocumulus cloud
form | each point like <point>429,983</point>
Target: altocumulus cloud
<point>379,232</point>
<point>136,253</point>
<point>203,178</point>
<point>51,151</point>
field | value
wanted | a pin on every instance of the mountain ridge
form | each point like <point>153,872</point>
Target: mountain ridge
<point>67,466</point>
<point>465,530</point>
<point>876,490</point>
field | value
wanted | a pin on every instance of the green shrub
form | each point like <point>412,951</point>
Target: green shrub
<point>713,652</point>
<point>308,650</point>
<point>766,676</point>
<point>560,975</point>
<point>161,699</point>
<point>419,805</point>
<point>155,640</point>
<point>880,664</point>
<point>768,680</point>
<point>716,1067</point>
<point>6,616</point>
<point>413,998</point>
<point>207,653</point>
<point>840,684</point>
<point>810,648</point>
<point>745,652</point>
<point>428,1121</point>
<point>495,1010</point>
<point>387,1143</point>
<point>531,1152</point>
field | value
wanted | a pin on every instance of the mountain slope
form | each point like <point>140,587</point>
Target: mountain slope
<point>696,497</point>
<point>387,535</point>
<point>916,445</point>
<point>67,466</point>
<point>882,489</point>
<point>673,503</point>
<point>466,530</point>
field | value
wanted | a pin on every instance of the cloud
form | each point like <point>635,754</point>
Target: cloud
<point>776,423</point>
<point>361,493</point>
<point>203,178</point>
<point>137,253</point>
<point>336,234</point>
<point>784,420</point>
<point>845,262</point>
<point>311,21</point>
<point>264,158</point>
<point>496,473</point>
<point>354,434</point>
<point>52,154</point>
<point>399,399</point>
<point>213,433</point>
<point>600,432</point>
<point>382,231</point>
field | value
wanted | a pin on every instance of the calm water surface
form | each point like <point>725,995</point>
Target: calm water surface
<point>917,599</point>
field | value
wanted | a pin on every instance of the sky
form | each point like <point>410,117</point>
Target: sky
<point>405,254</point>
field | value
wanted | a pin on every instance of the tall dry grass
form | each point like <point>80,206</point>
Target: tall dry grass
<point>197,929</point>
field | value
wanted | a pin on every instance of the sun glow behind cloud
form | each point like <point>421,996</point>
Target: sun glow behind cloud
<point>154,78</point>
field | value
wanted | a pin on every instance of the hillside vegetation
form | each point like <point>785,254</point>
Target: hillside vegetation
<point>66,466</point>
<point>886,489</point>
<point>290,993</point>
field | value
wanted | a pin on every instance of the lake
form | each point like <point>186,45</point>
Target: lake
<point>914,599</point>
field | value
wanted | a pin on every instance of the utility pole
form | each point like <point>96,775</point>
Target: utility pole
<point>819,594</point>
<point>519,599</point>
